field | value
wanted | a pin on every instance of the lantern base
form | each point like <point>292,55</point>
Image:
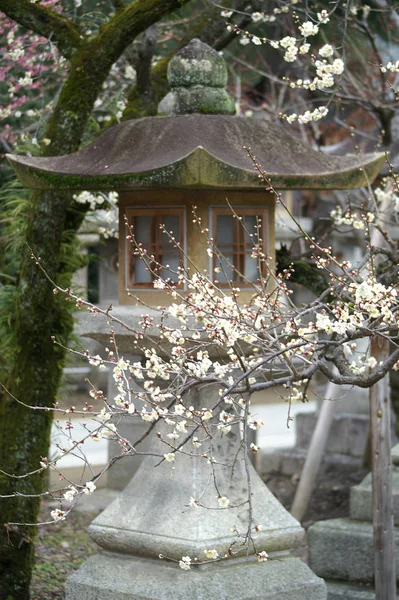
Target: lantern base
<point>121,577</point>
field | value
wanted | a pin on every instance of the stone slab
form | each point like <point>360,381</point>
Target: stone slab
<point>348,434</point>
<point>347,591</point>
<point>118,577</point>
<point>290,461</point>
<point>361,498</point>
<point>344,550</point>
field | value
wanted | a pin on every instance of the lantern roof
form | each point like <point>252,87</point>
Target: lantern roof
<point>198,143</point>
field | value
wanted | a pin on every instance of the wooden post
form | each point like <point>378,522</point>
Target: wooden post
<point>380,424</point>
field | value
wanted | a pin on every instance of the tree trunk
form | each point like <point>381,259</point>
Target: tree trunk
<point>25,433</point>
<point>39,314</point>
<point>380,423</point>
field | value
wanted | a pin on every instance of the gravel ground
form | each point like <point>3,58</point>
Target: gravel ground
<point>60,550</point>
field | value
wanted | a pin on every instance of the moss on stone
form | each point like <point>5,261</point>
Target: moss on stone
<point>198,99</point>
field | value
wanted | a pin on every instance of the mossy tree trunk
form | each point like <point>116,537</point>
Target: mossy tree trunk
<point>39,314</point>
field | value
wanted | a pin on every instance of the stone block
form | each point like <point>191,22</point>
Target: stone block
<point>348,434</point>
<point>359,426</point>
<point>344,550</point>
<point>120,577</point>
<point>269,461</point>
<point>353,400</point>
<point>361,498</point>
<point>338,439</point>
<point>290,461</point>
<point>304,427</point>
<point>347,591</point>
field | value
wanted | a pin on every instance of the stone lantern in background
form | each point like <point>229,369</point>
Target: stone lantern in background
<point>163,166</point>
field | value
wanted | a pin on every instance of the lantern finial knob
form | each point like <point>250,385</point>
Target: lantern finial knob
<point>197,75</point>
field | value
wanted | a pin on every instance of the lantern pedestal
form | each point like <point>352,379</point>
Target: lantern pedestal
<point>153,517</point>
<point>120,577</point>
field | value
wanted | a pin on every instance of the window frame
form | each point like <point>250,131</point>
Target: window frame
<point>158,213</point>
<point>238,230</point>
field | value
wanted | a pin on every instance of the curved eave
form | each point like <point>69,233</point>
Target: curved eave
<point>198,169</point>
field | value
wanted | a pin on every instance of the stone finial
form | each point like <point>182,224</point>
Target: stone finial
<point>197,75</point>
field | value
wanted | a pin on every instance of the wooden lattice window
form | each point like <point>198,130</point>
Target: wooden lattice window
<point>148,232</point>
<point>236,235</point>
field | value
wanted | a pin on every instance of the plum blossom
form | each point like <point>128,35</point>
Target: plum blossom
<point>308,28</point>
<point>392,67</point>
<point>262,556</point>
<point>185,563</point>
<point>223,502</point>
<point>57,515</point>
<point>70,494</point>
<point>326,51</point>
<point>212,554</point>
<point>89,488</point>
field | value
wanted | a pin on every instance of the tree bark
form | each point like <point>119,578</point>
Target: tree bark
<point>380,423</point>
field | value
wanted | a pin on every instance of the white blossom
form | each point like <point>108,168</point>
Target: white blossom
<point>223,502</point>
<point>26,80</point>
<point>57,514</point>
<point>308,28</point>
<point>70,493</point>
<point>212,554</point>
<point>304,48</point>
<point>257,16</point>
<point>109,431</point>
<point>326,51</point>
<point>89,488</point>
<point>392,67</point>
<point>193,503</point>
<point>262,556</point>
<point>323,16</point>
<point>185,563</point>
<point>169,456</point>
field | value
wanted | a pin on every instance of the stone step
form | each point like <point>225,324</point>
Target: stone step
<point>348,591</point>
<point>343,549</point>
<point>348,433</point>
<point>361,498</point>
<point>290,461</point>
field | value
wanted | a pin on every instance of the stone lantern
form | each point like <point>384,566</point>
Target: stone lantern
<point>192,155</point>
<point>163,166</point>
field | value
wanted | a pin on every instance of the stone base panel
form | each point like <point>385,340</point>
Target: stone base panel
<point>109,576</point>
<point>342,549</point>
<point>347,591</point>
